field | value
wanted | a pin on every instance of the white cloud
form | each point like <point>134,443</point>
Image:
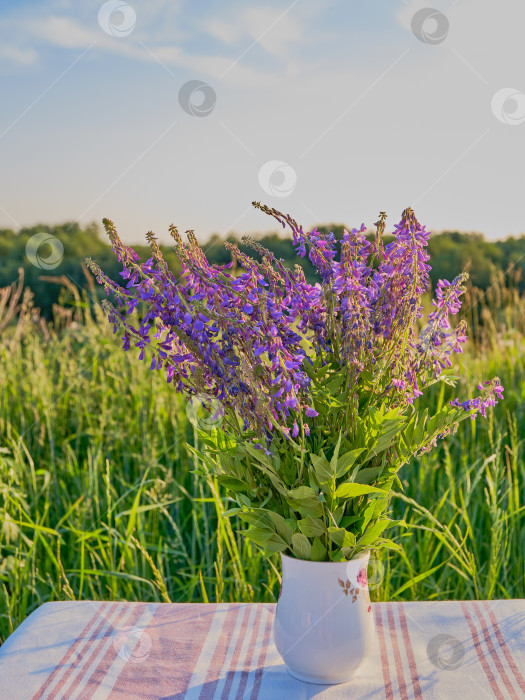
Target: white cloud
<point>64,32</point>
<point>257,43</point>
<point>18,55</point>
<point>41,29</point>
<point>276,32</point>
<point>224,31</point>
<point>282,30</point>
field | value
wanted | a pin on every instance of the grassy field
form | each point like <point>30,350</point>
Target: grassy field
<point>98,499</point>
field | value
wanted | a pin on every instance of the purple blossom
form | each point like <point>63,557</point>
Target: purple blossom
<point>249,337</point>
<point>492,392</point>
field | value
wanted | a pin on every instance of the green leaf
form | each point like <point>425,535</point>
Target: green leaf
<point>420,428</point>
<point>336,555</point>
<point>281,526</point>
<point>301,546</point>
<point>305,501</point>
<point>380,506</point>
<point>277,483</point>
<point>321,468</point>
<point>318,552</point>
<point>386,427</point>
<point>370,512</point>
<point>341,537</point>
<point>315,371</point>
<point>374,532</point>
<point>232,483</point>
<point>346,461</point>
<point>292,524</point>
<point>256,519</point>
<point>313,481</point>
<point>338,514</point>
<point>288,469</point>
<point>448,374</point>
<point>349,520</point>
<point>275,546</point>
<point>265,538</point>
<point>365,476</point>
<point>242,500</point>
<point>258,535</point>
<point>351,490</point>
<point>259,455</point>
<point>232,511</point>
<point>307,508</point>
<point>301,493</point>
<point>335,383</point>
<point>269,521</point>
<point>388,544</point>
<point>335,456</point>
<point>311,527</point>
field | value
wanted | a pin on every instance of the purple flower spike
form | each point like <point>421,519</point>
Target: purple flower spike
<point>268,345</point>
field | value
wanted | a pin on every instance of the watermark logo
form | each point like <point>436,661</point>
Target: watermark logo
<point>376,572</point>
<point>205,412</point>
<point>132,644</point>
<point>117,18</point>
<point>372,576</point>
<point>44,251</point>
<point>445,652</point>
<point>508,106</point>
<point>277,178</point>
<point>430,26</point>
<point>197,98</point>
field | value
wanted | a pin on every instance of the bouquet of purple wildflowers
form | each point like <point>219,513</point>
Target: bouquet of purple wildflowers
<point>317,383</point>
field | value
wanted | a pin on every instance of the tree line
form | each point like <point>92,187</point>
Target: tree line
<point>66,246</point>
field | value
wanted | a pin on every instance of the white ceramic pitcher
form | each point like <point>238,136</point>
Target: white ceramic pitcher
<point>324,626</point>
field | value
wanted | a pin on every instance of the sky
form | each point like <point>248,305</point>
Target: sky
<point>170,111</point>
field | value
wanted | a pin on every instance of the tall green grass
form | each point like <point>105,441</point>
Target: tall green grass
<point>98,499</point>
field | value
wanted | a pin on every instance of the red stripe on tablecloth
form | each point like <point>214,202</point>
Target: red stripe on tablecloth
<point>494,654</point>
<point>99,610</point>
<point>234,662</point>
<point>98,675</point>
<point>245,672</point>
<point>382,650</point>
<point>262,658</point>
<point>481,656</point>
<point>409,651</point>
<point>397,654</point>
<point>178,633</point>
<point>86,656</point>
<point>501,641</point>
<point>221,652</point>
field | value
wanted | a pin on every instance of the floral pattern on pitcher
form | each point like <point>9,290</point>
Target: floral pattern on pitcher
<point>348,589</point>
<point>362,579</point>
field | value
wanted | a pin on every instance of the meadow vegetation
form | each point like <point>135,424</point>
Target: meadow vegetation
<point>98,499</point>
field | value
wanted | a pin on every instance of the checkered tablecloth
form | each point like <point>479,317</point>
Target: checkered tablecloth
<point>81,650</point>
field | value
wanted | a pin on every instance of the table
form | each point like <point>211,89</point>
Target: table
<point>81,650</point>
